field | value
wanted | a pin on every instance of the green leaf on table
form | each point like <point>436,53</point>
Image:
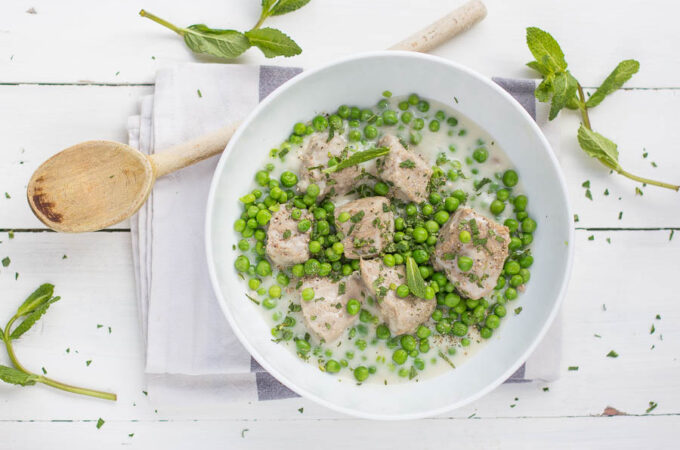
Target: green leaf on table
<point>414,279</point>
<point>273,42</point>
<point>286,6</point>
<point>563,88</point>
<point>14,376</point>
<point>358,158</point>
<point>32,318</point>
<point>598,146</point>
<point>546,50</point>
<point>37,298</point>
<point>614,81</point>
<point>221,43</point>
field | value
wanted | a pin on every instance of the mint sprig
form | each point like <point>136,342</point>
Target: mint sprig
<point>231,43</point>
<point>562,90</point>
<point>31,310</point>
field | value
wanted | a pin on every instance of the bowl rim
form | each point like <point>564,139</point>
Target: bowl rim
<point>283,378</point>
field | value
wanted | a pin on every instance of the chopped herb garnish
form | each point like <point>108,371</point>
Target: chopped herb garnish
<point>88,362</point>
<point>446,358</point>
<point>612,354</point>
<point>576,219</point>
<point>301,410</point>
<point>573,368</point>
<point>670,236</point>
<point>100,423</point>
<point>546,389</point>
<point>586,184</point>
<point>591,237</point>
<point>198,91</point>
<point>252,299</point>
<point>620,215</point>
<point>408,164</point>
<point>638,191</point>
<point>652,407</point>
<point>518,310</point>
<point>358,158</point>
<point>6,261</point>
<point>652,330</point>
<point>588,194</point>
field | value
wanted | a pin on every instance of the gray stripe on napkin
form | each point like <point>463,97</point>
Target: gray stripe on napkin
<point>271,77</point>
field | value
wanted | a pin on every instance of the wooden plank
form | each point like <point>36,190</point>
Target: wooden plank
<point>122,46</point>
<point>554,433</point>
<point>96,284</point>
<point>38,121</point>
<point>78,113</point>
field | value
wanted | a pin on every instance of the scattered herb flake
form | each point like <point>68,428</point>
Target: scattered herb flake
<point>99,325</point>
<point>10,234</point>
<point>573,368</point>
<point>620,215</point>
<point>597,335</point>
<point>658,317</point>
<point>518,310</point>
<point>198,91</point>
<point>588,194</point>
<point>131,435</point>
<point>576,219</point>
<point>652,329</point>
<point>243,432</point>
<point>670,236</point>
<point>6,261</point>
<point>7,195</point>
<point>586,184</point>
<point>638,191</point>
<point>591,237</point>
<point>44,371</point>
<point>609,240</point>
<point>606,192</point>
<point>64,257</point>
<point>604,307</point>
<point>652,407</point>
<point>546,389</point>
<point>88,362</point>
<point>612,354</point>
<point>100,423</point>
<point>301,410</point>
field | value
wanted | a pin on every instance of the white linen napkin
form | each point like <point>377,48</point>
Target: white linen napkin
<point>192,356</point>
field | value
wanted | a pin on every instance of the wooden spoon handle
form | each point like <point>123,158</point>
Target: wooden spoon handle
<point>454,23</point>
<point>190,152</point>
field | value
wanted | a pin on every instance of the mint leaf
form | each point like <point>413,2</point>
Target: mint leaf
<point>614,81</point>
<point>598,146</point>
<point>37,298</point>
<point>563,88</point>
<point>286,6</point>
<point>32,318</point>
<point>544,89</point>
<point>273,42</point>
<point>546,50</point>
<point>358,158</point>
<point>540,68</point>
<point>216,42</point>
<point>414,280</point>
<point>14,376</point>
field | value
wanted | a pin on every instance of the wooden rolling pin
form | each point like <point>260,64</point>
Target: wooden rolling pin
<point>96,184</point>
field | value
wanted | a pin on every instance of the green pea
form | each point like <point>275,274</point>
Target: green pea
<point>302,346</point>
<point>464,236</point>
<point>382,104</point>
<point>510,178</point>
<point>370,132</point>
<point>275,291</point>
<point>253,283</point>
<point>443,327</point>
<point>521,202</point>
<point>239,225</point>
<point>353,123</point>
<point>304,225</point>
<point>406,117</point>
<point>525,274</point>
<point>361,373</point>
<point>497,207</point>
<point>247,199</point>
<point>382,331</point>
<point>526,239</point>
<point>399,356</point>
<point>503,195</point>
<point>263,268</point>
<point>320,123</point>
<point>403,105</point>
<point>420,234</point>
<point>480,154</point>
<point>452,121</point>
<point>402,291</point>
<point>263,217</point>
<point>354,135</point>
<point>399,223</point>
<point>353,306</point>
<point>411,209</point>
<point>332,366</point>
<point>512,224</point>
<point>313,190</point>
<point>521,215</point>
<point>398,259</point>
<point>515,243</point>
<point>346,269</point>
<point>252,212</point>
<point>431,226</point>
<point>338,248</point>
<point>269,303</point>
<point>307,294</point>
<point>343,111</point>
<point>510,293</point>
<point>441,217</point>
<point>312,267</point>
<point>500,310</point>
<point>298,270</point>
<point>451,300</point>
<point>493,321</point>
<point>262,177</point>
<point>465,263</point>
<point>516,280</point>
<point>354,113</point>
<point>441,115</point>
<point>323,227</point>
<point>408,342</point>
<point>243,245</point>
<point>451,204</point>
<point>389,260</point>
<point>434,125</point>
<point>242,263</point>
<point>526,261</point>
<point>485,332</point>
<point>460,195</point>
<point>415,137</point>
<point>381,188</point>
<point>314,246</point>
<point>418,124</point>
<point>437,315</point>
<point>528,225</point>
<point>511,267</point>
<point>343,217</point>
<point>289,179</point>
<point>420,256</point>
<point>390,117</point>
<point>366,115</point>
<point>299,128</point>
<point>423,106</point>
<point>413,99</point>
<point>459,329</point>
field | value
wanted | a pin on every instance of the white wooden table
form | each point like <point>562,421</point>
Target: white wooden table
<point>76,69</point>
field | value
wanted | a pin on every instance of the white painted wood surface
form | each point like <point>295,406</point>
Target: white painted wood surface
<point>78,42</point>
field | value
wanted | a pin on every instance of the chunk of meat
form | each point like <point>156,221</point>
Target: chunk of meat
<point>488,248</point>
<point>314,158</point>
<point>406,170</point>
<point>285,244</point>
<point>402,315</point>
<point>370,226</point>
<point>326,314</point>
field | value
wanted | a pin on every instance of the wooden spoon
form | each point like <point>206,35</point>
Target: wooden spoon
<point>96,184</point>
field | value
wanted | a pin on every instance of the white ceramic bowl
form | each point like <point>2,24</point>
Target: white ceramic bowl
<point>359,80</point>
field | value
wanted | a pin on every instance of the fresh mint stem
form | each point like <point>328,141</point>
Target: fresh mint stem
<point>46,380</point>
<point>586,123</point>
<point>165,23</point>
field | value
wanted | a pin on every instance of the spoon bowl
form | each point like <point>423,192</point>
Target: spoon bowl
<point>90,186</point>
